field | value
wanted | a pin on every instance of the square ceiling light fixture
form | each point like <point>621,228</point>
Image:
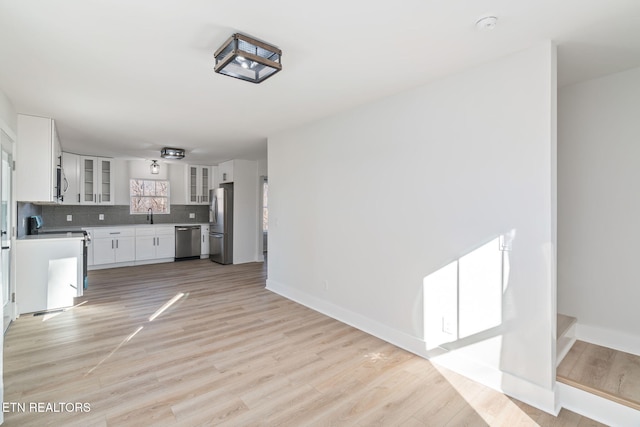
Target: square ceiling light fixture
<point>247,59</point>
<point>172,153</point>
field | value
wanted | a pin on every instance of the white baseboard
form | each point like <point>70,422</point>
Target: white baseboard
<point>597,408</point>
<point>153,261</point>
<point>608,338</point>
<point>115,265</point>
<point>525,391</point>
<point>356,320</point>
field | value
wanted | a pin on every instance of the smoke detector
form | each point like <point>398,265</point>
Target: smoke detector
<point>486,23</point>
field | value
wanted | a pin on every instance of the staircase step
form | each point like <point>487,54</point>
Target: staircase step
<point>604,372</point>
<point>602,393</point>
<point>564,323</point>
<point>565,335</point>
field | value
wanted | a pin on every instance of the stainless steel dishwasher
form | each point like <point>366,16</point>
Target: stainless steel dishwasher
<point>187,242</point>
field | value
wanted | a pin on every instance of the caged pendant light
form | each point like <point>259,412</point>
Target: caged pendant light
<point>155,167</point>
<point>247,59</point>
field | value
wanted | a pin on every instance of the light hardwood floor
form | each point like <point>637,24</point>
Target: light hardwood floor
<point>229,352</point>
<point>603,371</point>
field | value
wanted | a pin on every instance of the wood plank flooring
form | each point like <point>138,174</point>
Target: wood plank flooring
<point>227,352</point>
<point>603,371</point>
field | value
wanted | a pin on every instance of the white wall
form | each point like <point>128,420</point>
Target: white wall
<point>245,211</point>
<point>263,167</point>
<point>599,208</point>
<point>366,204</point>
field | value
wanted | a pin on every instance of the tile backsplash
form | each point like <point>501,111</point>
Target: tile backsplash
<point>55,216</point>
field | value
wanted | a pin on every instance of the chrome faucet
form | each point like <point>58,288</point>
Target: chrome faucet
<point>150,216</point>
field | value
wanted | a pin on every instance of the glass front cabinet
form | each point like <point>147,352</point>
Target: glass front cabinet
<point>96,181</point>
<point>198,184</point>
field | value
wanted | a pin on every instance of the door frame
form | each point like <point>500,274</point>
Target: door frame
<point>10,147</point>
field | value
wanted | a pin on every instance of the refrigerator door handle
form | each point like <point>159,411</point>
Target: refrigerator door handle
<point>215,210</point>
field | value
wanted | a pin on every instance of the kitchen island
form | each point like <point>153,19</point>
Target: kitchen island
<point>49,271</point>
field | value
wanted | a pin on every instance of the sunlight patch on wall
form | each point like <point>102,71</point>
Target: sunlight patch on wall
<point>464,298</point>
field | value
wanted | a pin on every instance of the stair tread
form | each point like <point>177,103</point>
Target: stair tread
<point>564,322</point>
<point>602,393</point>
<point>602,371</point>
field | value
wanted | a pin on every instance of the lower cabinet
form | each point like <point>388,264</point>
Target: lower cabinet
<point>136,244</point>
<point>157,242</point>
<point>113,245</point>
<point>204,242</point>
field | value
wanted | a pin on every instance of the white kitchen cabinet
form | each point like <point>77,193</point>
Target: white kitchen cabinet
<point>198,184</point>
<point>96,181</point>
<point>214,177</point>
<point>166,242</point>
<point>204,242</point>
<point>38,153</point>
<point>48,272</point>
<point>113,245</point>
<point>70,179</point>
<point>225,172</point>
<point>156,242</point>
<point>145,244</point>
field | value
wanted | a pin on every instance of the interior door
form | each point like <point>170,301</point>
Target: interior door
<point>8,307</point>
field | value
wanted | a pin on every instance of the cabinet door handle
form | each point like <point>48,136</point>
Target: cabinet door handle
<point>99,198</point>
<point>116,244</point>
<point>78,197</point>
<point>112,244</point>
<point>158,241</point>
<point>94,198</point>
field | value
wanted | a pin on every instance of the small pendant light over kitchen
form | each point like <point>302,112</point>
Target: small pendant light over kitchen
<point>247,59</point>
<point>172,153</point>
<point>155,167</point>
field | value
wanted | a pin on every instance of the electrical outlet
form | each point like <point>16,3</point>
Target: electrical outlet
<point>100,217</point>
<point>192,215</point>
<point>447,326</point>
<point>69,218</point>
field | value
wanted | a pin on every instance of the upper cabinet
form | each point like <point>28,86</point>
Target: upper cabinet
<point>38,156</point>
<point>225,172</point>
<point>198,184</point>
<point>96,181</point>
<point>70,179</point>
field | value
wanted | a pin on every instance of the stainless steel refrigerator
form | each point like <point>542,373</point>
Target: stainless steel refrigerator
<point>221,224</point>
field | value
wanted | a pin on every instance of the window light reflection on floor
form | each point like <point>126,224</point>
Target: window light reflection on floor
<point>166,306</point>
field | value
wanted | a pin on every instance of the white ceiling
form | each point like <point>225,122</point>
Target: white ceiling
<point>126,78</point>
